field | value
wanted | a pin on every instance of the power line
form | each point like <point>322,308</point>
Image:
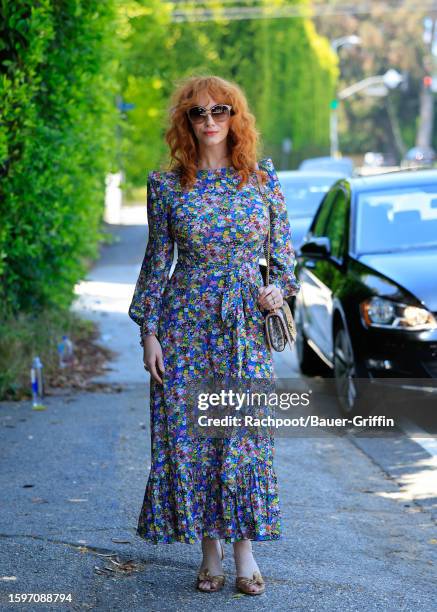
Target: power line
<point>210,11</point>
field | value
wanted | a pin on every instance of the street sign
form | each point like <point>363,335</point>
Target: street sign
<point>392,78</point>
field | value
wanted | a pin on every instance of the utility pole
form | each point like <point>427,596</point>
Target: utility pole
<point>336,44</point>
<point>333,128</point>
<point>429,84</point>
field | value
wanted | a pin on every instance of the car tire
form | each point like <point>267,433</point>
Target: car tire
<point>352,395</point>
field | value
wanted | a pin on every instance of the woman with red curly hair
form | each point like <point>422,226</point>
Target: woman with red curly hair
<point>206,319</point>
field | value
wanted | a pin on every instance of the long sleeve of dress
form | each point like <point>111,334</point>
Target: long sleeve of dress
<point>282,254</point>
<point>145,307</point>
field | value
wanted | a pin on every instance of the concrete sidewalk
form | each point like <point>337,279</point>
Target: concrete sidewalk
<point>73,479</point>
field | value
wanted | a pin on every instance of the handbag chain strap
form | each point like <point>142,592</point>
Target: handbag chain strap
<point>262,191</point>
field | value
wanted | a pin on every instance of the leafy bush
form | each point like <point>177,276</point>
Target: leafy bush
<point>58,71</point>
<point>24,336</point>
<point>287,70</point>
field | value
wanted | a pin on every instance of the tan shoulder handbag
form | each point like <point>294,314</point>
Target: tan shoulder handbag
<point>279,326</point>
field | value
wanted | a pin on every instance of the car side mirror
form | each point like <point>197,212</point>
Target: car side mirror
<point>319,247</point>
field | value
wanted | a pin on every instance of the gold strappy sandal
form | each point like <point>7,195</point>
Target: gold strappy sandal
<point>216,582</point>
<point>243,584</point>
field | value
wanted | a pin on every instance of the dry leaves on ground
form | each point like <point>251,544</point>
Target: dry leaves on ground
<point>118,566</point>
<point>90,360</point>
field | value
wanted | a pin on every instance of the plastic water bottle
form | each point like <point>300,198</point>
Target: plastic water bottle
<point>66,351</point>
<point>37,380</point>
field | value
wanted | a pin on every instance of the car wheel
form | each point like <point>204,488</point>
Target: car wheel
<point>309,363</point>
<point>347,374</point>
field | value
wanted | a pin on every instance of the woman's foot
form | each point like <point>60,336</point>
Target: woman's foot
<point>249,578</point>
<point>211,577</point>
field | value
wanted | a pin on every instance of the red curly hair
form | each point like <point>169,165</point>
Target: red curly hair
<point>243,137</point>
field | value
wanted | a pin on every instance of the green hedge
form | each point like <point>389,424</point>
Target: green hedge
<point>287,70</point>
<point>58,70</point>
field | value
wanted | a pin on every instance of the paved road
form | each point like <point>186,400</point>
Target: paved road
<point>357,536</point>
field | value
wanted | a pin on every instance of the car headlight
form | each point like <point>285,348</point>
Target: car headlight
<point>380,312</point>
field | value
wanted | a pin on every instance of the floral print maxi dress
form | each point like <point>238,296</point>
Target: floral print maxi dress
<point>208,322</point>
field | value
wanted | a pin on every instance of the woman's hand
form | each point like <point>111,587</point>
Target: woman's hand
<point>270,297</point>
<point>152,356</point>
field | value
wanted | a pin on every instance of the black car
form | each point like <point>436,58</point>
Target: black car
<point>368,272</point>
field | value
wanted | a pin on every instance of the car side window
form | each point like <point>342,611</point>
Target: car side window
<point>335,228</point>
<point>323,214</point>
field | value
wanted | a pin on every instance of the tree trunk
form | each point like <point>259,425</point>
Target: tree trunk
<point>398,141</point>
<point>426,118</point>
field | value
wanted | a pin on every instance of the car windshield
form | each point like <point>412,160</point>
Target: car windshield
<point>303,195</point>
<point>396,219</point>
